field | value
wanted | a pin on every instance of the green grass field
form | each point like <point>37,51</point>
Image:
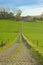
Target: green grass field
<point>34,32</point>
<point>8,33</point>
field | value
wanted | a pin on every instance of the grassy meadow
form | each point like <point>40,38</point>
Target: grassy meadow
<point>8,32</point>
<point>34,32</point>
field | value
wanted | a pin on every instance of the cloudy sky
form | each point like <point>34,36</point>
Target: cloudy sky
<point>28,7</point>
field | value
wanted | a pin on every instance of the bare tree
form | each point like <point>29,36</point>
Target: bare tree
<point>17,14</point>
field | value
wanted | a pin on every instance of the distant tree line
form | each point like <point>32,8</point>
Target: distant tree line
<point>7,14</point>
<point>15,14</point>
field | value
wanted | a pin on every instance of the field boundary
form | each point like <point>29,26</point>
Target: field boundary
<point>35,53</point>
<point>10,49</point>
<point>29,42</point>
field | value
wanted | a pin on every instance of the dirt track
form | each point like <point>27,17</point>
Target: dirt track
<point>18,54</point>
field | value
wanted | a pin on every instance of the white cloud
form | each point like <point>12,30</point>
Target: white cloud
<point>32,10</point>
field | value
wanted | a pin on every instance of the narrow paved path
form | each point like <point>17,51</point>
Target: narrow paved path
<point>18,54</point>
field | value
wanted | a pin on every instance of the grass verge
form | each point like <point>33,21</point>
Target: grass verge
<point>34,52</point>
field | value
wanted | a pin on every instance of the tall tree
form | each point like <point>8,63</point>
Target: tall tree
<point>17,14</point>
